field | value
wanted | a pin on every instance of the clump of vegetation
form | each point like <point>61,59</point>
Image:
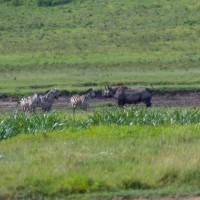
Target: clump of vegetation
<point>143,116</point>
<point>52,2</point>
<point>23,123</point>
<point>37,2</point>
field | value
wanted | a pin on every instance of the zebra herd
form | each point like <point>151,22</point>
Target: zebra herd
<point>121,93</point>
<point>46,101</point>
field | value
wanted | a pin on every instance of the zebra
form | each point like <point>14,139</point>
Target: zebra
<point>30,103</point>
<point>82,100</point>
<point>47,100</point>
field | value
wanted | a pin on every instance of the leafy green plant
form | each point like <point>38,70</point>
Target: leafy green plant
<point>143,116</point>
<point>24,123</point>
<point>16,123</point>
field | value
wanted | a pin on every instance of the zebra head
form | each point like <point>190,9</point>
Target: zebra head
<point>53,93</point>
<point>36,98</point>
<point>56,92</point>
<point>91,93</point>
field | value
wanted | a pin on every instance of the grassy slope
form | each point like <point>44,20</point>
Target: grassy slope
<point>135,42</point>
<point>98,159</point>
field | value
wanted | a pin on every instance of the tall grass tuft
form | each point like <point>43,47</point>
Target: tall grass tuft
<point>143,116</point>
<point>24,123</point>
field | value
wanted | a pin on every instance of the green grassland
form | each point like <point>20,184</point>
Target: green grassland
<point>16,123</point>
<point>131,151</point>
<point>110,151</point>
<point>101,161</point>
<point>97,42</point>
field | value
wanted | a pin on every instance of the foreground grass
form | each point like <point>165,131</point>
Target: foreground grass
<point>103,159</point>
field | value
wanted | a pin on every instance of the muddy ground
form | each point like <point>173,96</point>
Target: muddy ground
<point>159,99</point>
<point>192,197</point>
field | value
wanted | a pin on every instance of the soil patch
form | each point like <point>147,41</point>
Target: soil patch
<point>159,99</point>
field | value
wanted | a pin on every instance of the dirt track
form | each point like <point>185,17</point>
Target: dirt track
<point>160,98</point>
<point>133,198</point>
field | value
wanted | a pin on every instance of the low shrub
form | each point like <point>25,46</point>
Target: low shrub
<point>24,123</point>
<point>52,2</point>
<point>144,116</point>
<point>134,116</point>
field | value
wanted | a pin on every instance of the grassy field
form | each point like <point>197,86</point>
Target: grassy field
<point>132,151</point>
<point>108,152</point>
<point>95,43</point>
<point>101,161</point>
<point>16,123</point>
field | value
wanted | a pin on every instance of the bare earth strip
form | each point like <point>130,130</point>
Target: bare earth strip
<point>159,99</point>
<point>135,198</point>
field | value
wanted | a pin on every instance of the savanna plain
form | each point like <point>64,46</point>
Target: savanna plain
<point>108,152</point>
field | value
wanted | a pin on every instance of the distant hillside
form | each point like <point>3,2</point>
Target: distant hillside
<point>92,30</point>
<point>97,41</point>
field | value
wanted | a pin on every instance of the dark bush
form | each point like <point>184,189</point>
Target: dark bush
<point>52,2</point>
<point>12,2</point>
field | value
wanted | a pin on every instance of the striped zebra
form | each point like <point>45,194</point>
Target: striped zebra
<point>47,100</point>
<point>82,100</point>
<point>29,103</point>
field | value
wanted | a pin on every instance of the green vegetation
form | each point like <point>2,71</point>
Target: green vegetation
<point>36,2</point>
<point>23,123</point>
<point>143,116</point>
<point>102,159</point>
<point>18,123</point>
<point>76,44</point>
<point>96,42</point>
<point>91,155</point>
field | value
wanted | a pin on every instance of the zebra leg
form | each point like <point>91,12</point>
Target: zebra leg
<point>33,109</point>
<point>86,106</point>
<point>49,108</point>
<point>74,108</point>
<point>30,109</point>
<point>25,109</point>
<point>44,108</point>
